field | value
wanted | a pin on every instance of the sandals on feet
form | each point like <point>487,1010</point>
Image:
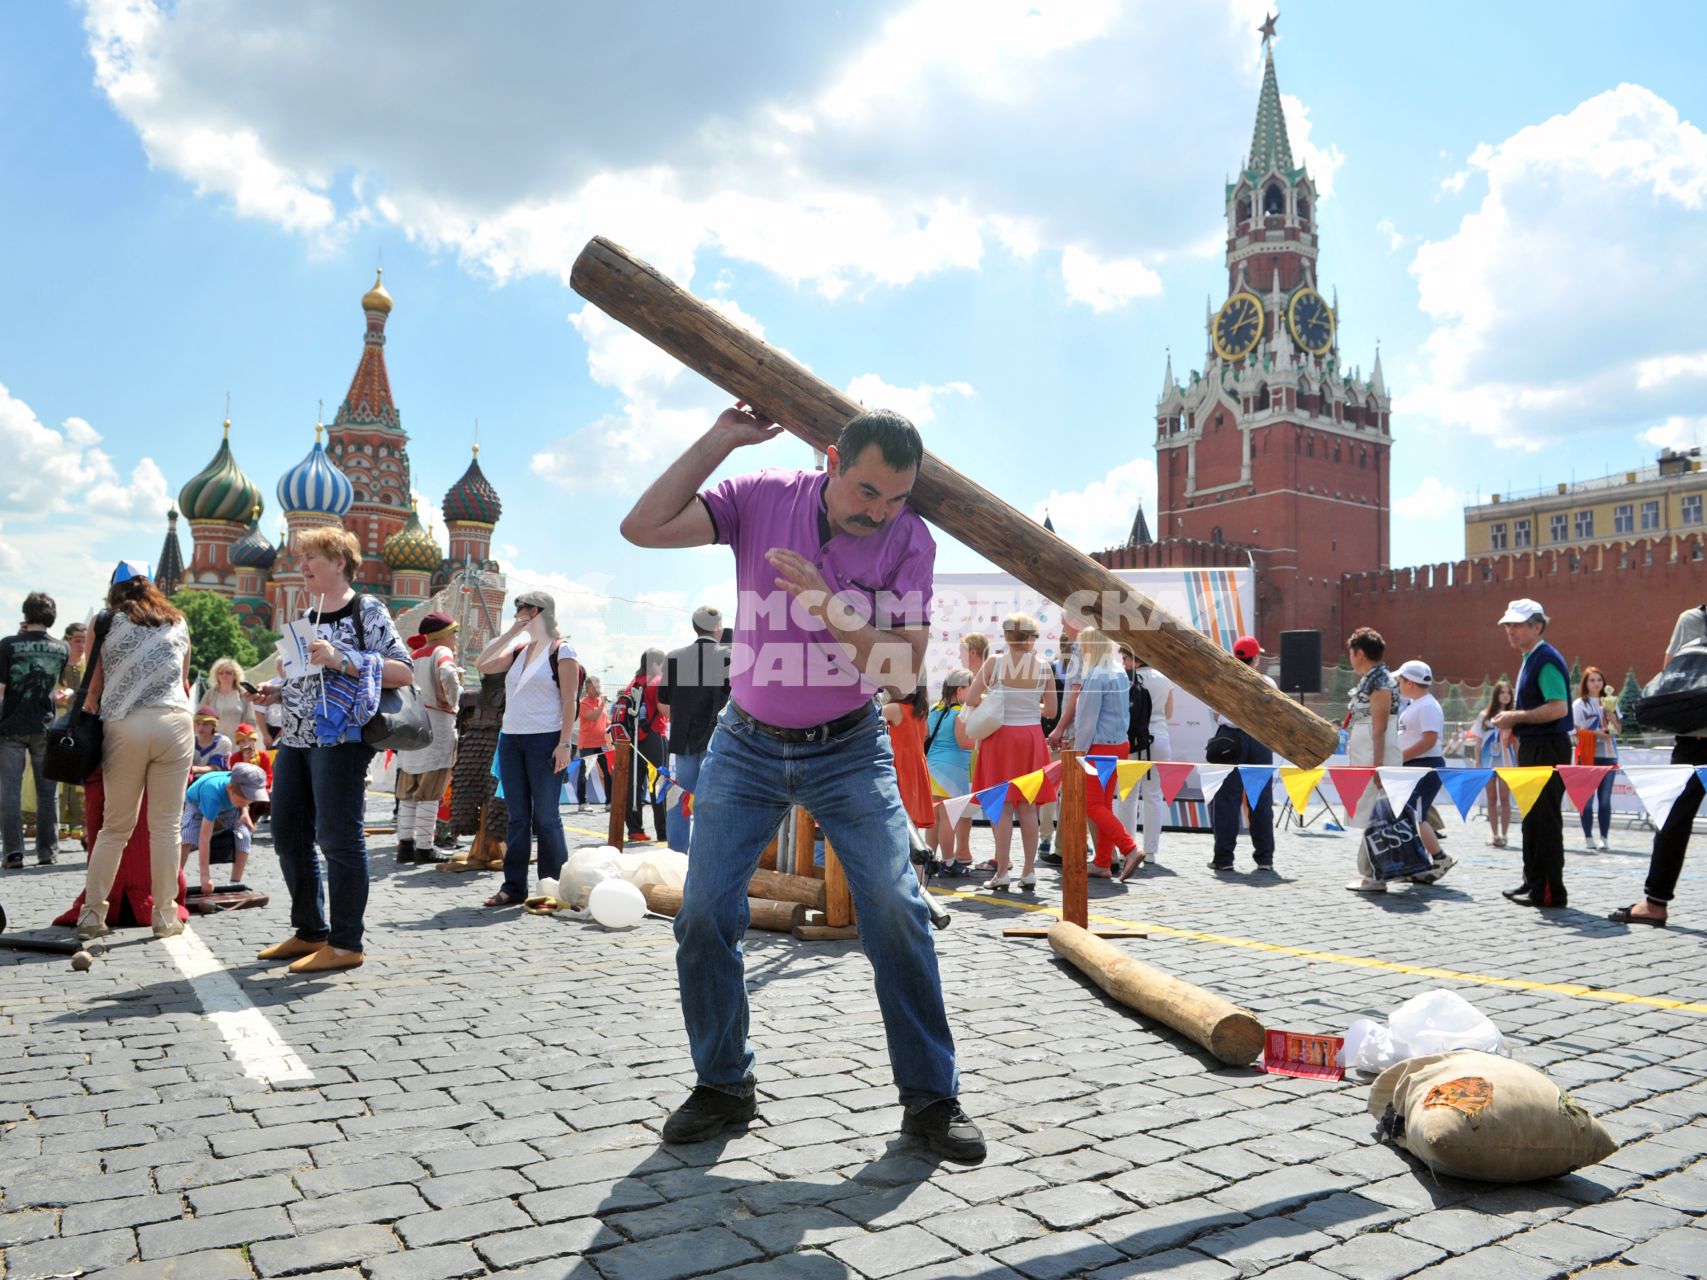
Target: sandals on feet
<point>1627,915</point>
<point>1134,860</point>
<point>501,899</point>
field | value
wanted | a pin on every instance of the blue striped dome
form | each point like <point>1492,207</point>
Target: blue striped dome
<point>315,485</point>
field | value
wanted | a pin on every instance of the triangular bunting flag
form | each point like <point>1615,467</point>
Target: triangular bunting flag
<point>954,807</point>
<point>1526,783</point>
<point>1351,781</point>
<point>1052,773</point>
<point>574,770</point>
<point>1029,785</point>
<point>1256,778</point>
<point>1130,773</point>
<point>1211,776</point>
<point>1173,775</point>
<point>687,804</point>
<point>595,782</point>
<point>992,800</point>
<point>1400,783</point>
<point>1581,781</point>
<point>1104,766</point>
<point>1658,786</point>
<point>1300,784</point>
<point>1701,772</point>
<point>1464,786</point>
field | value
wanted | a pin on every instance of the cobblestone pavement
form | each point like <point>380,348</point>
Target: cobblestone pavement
<point>485,1095</point>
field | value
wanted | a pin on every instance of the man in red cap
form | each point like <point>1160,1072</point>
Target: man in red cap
<point>423,774</point>
<point>1226,804</point>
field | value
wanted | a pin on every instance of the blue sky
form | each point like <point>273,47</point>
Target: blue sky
<point>995,216</point>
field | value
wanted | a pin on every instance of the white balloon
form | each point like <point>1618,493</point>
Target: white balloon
<point>548,887</point>
<point>616,904</point>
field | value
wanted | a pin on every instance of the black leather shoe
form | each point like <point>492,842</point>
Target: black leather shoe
<point>429,856</point>
<point>1522,891</point>
<point>405,852</point>
<point>1538,898</point>
<point>946,1130</point>
<point>708,1112</point>
<point>1053,859</point>
<point>1221,868</point>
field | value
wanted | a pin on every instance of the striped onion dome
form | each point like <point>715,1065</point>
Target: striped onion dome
<point>220,490</point>
<point>315,485</point>
<point>252,550</point>
<point>472,499</point>
<point>412,548</point>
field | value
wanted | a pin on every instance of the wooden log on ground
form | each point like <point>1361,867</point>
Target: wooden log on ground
<point>781,887</point>
<point>838,897</point>
<point>1230,1033</point>
<point>779,917</point>
<point>619,770</point>
<point>826,932</point>
<point>1070,838</point>
<point>805,840</point>
<point>752,370</point>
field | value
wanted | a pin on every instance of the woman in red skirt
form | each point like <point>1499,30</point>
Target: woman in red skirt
<point>906,720</point>
<point>1026,687</point>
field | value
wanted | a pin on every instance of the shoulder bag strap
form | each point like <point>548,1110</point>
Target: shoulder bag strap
<point>937,727</point>
<point>103,624</point>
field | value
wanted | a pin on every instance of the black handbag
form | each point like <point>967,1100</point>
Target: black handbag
<point>74,740</point>
<point>1675,701</point>
<point>400,721</point>
<point>1223,748</point>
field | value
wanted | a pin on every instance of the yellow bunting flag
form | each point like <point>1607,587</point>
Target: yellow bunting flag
<point>1300,783</point>
<point>1128,773</point>
<point>1526,784</point>
<point>1029,785</point>
<point>651,773</point>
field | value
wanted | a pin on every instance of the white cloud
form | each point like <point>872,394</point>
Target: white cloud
<point>1543,298</point>
<point>918,403</point>
<point>1100,515</point>
<point>1429,499</point>
<point>1323,162</point>
<point>1395,238</point>
<point>1106,285</point>
<point>1455,183</point>
<point>1677,432</point>
<point>69,515</point>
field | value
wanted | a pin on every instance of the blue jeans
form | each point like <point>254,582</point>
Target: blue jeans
<point>679,825</point>
<point>15,754</point>
<point>1225,808</point>
<point>1603,798</point>
<point>746,784</point>
<point>320,796</point>
<point>532,793</point>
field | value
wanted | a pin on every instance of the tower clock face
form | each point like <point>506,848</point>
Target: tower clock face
<point>1238,327</point>
<point>1311,321</point>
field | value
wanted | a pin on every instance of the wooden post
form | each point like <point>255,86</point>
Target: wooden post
<point>1070,840</point>
<point>765,913</point>
<point>781,388</point>
<point>619,771</point>
<point>787,888</point>
<point>805,836</point>
<point>1230,1033</point>
<point>838,898</point>
<point>767,859</point>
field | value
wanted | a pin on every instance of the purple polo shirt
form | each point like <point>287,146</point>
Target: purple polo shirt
<point>784,668</point>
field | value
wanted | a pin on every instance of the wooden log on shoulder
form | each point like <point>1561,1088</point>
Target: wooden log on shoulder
<point>1230,1033</point>
<point>766,913</point>
<point>781,887</point>
<point>752,370</point>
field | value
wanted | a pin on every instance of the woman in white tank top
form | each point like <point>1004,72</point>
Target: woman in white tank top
<point>1027,690</point>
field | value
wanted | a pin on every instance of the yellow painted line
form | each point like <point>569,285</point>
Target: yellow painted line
<point>1359,962</point>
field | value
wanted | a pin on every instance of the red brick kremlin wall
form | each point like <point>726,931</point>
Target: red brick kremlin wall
<point>1611,606</point>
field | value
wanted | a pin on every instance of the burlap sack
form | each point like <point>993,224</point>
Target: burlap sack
<point>1477,1115</point>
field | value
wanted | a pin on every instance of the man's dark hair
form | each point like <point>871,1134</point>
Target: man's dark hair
<point>896,438</point>
<point>74,629</point>
<point>1368,642</point>
<point>39,609</point>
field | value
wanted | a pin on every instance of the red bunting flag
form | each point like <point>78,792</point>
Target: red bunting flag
<point>1581,780</point>
<point>1351,782</point>
<point>1173,775</point>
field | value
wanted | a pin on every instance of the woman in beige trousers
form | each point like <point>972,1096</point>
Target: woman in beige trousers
<point>140,689</point>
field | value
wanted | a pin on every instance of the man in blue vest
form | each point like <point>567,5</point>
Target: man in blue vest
<point>1542,724</point>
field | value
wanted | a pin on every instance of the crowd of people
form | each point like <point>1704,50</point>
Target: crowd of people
<point>738,744</point>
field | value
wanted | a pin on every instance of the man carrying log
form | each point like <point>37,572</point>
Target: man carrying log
<point>834,577</point>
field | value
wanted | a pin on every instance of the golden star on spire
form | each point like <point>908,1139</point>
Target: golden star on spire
<point>1267,28</point>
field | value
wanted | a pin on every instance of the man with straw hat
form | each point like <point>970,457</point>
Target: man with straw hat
<point>422,774</point>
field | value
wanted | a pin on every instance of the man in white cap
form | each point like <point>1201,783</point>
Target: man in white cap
<point>1541,723</point>
<point>695,687</point>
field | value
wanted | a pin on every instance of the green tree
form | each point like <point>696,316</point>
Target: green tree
<point>262,639</point>
<point>1343,679</point>
<point>214,632</point>
<point>1627,703</point>
<point>1576,676</point>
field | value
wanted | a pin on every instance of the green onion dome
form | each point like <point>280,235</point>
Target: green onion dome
<point>412,548</point>
<point>252,550</point>
<point>220,490</point>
